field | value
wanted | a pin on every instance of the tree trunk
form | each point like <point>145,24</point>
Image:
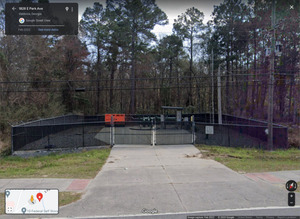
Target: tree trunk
<point>98,79</point>
<point>189,100</point>
<point>170,84</point>
<point>178,89</point>
<point>254,100</point>
<point>132,77</point>
<point>227,82</point>
<point>281,96</point>
<point>111,90</point>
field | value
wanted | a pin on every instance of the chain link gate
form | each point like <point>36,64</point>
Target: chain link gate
<point>153,133</point>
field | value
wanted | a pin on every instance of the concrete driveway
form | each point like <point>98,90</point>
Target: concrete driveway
<point>167,179</point>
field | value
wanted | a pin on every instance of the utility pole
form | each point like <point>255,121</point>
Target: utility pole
<point>219,98</point>
<point>271,82</point>
<point>212,86</point>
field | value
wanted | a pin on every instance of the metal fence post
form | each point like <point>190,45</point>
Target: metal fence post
<point>82,135</point>
<point>153,133</point>
<point>193,129</point>
<point>112,131</point>
<point>113,134</point>
<point>228,134</point>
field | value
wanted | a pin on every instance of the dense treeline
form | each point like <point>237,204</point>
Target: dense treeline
<point>124,68</point>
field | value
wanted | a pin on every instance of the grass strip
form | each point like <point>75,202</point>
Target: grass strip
<point>66,198</point>
<point>79,165</point>
<point>249,160</point>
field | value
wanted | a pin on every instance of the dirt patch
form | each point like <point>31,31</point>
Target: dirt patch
<point>198,155</point>
<point>231,156</point>
<point>213,156</point>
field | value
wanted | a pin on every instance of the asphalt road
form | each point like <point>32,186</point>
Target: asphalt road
<point>273,211</point>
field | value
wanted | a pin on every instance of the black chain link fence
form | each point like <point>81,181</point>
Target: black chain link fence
<point>73,131</point>
<point>69,131</point>
<point>239,132</point>
<point>234,135</point>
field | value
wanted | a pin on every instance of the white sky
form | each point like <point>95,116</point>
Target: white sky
<point>172,8</point>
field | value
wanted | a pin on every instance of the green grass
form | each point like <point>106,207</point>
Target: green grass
<point>64,199</point>
<point>68,197</point>
<point>84,165</point>
<point>253,160</point>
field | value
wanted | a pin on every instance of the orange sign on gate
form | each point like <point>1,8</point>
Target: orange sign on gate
<point>117,118</point>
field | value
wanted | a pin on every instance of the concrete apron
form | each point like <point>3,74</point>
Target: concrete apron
<point>167,179</point>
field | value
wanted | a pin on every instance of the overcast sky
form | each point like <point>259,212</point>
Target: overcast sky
<point>172,8</point>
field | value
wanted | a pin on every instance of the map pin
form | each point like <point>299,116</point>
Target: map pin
<point>23,210</point>
<point>39,196</point>
<point>7,193</point>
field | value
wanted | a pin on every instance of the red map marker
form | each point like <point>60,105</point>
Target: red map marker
<point>39,196</point>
